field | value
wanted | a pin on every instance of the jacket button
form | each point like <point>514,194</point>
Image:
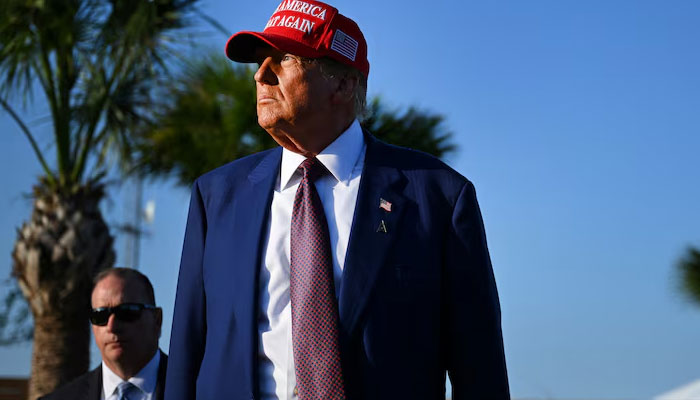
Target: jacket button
<point>296,391</point>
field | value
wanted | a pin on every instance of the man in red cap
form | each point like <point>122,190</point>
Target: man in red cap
<point>334,266</point>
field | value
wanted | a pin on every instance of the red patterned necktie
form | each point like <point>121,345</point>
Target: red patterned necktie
<point>314,306</point>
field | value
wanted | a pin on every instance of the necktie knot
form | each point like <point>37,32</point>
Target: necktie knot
<point>123,389</point>
<point>312,169</point>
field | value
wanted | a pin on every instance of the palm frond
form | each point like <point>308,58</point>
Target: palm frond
<point>86,55</point>
<point>413,128</point>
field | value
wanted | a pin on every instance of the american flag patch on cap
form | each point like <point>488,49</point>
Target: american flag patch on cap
<point>344,45</point>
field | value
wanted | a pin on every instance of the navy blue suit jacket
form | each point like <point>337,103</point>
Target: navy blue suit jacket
<point>414,302</point>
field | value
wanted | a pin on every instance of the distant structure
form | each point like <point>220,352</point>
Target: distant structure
<point>691,391</point>
<point>135,215</point>
<point>13,388</point>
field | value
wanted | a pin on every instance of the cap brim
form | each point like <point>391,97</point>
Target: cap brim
<point>241,46</point>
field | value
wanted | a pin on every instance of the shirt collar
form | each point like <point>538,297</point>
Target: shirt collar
<point>145,379</point>
<point>338,157</point>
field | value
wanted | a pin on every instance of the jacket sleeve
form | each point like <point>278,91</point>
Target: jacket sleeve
<point>474,344</point>
<point>189,329</point>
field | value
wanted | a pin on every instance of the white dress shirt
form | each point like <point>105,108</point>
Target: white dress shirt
<point>145,380</point>
<point>344,158</point>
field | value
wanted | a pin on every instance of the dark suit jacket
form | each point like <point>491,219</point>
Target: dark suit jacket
<point>414,302</point>
<point>89,385</point>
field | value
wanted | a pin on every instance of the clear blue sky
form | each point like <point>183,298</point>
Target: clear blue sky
<point>578,122</point>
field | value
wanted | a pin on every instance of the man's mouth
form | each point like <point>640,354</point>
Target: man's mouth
<point>116,342</point>
<point>265,99</point>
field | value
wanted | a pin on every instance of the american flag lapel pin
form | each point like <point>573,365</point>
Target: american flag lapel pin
<point>384,205</point>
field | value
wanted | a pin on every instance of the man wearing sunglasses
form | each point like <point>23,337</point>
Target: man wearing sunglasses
<point>126,324</point>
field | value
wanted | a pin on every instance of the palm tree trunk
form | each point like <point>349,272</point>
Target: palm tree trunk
<point>61,352</point>
<point>57,254</point>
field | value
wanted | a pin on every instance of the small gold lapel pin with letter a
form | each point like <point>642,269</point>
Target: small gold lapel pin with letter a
<point>382,227</point>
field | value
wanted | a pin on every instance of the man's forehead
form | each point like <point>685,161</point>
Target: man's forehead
<point>113,288</point>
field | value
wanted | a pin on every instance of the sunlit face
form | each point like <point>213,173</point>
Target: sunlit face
<point>293,97</point>
<point>125,345</point>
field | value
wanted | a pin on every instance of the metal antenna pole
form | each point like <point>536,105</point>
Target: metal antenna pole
<point>132,227</point>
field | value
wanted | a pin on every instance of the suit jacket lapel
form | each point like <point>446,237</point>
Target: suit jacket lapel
<point>250,215</point>
<point>368,244</point>
<point>160,381</point>
<point>94,389</point>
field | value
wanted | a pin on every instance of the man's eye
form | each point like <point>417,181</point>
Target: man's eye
<point>287,57</point>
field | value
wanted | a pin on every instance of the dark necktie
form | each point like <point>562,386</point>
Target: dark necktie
<point>314,306</point>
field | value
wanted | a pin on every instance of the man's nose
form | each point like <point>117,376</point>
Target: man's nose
<point>113,324</point>
<point>265,74</point>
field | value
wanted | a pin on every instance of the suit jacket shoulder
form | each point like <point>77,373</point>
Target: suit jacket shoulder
<point>430,173</point>
<point>237,169</point>
<point>85,387</point>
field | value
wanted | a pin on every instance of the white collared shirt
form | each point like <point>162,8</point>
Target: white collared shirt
<point>344,158</point>
<point>145,380</point>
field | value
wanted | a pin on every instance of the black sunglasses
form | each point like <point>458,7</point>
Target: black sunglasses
<point>126,312</point>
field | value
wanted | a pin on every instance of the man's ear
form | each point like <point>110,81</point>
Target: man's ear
<point>159,319</point>
<point>345,88</point>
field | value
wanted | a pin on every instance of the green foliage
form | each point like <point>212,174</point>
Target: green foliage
<point>97,63</point>
<point>212,120</point>
<point>689,269</point>
<point>414,129</point>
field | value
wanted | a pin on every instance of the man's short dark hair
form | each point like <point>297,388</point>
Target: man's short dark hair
<point>128,274</point>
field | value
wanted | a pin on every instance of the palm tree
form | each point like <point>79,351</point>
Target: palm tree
<point>96,63</point>
<point>689,268</point>
<point>413,128</point>
<point>212,120</point>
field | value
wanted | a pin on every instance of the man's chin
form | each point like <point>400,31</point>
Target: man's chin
<point>270,118</point>
<point>266,123</point>
<point>115,350</point>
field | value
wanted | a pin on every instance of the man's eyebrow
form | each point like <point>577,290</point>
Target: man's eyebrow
<point>262,54</point>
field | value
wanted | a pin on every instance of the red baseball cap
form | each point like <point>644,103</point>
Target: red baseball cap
<point>305,28</point>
